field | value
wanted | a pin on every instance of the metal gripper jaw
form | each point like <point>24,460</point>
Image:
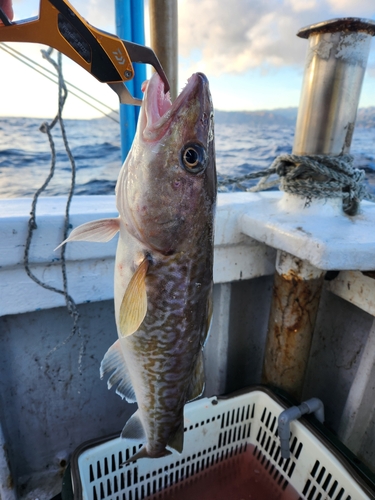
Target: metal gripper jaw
<point>108,58</point>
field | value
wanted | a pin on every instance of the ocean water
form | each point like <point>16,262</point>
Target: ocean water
<point>25,154</point>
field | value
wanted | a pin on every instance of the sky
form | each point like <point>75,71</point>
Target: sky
<point>247,48</point>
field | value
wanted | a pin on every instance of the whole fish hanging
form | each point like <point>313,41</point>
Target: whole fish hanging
<point>165,195</point>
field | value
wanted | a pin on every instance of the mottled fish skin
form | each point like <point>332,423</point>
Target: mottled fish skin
<point>167,214</point>
<point>165,195</point>
<point>162,354</point>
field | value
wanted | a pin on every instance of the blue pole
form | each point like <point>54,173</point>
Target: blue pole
<point>130,26</point>
<point>138,32</point>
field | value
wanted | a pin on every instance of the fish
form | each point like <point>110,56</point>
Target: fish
<point>166,198</point>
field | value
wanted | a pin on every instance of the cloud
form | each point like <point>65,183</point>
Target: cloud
<point>233,37</point>
<point>99,13</point>
<point>301,5</point>
<point>354,9</point>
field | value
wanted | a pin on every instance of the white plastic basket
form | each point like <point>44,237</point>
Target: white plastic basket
<point>216,430</point>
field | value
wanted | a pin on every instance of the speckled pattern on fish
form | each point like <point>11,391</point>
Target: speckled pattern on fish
<point>165,195</point>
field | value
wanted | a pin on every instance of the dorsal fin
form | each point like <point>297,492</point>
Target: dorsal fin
<point>134,303</point>
<point>114,361</point>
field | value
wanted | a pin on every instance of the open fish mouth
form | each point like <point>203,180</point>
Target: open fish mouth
<point>158,108</point>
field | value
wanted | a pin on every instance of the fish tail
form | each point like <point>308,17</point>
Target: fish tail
<point>143,453</point>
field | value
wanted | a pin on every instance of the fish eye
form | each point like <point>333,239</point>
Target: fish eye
<point>193,158</point>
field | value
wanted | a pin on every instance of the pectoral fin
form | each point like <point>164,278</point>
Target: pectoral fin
<point>134,304</point>
<point>100,231</point>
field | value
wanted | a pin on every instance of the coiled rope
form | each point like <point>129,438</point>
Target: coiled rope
<point>312,176</point>
<point>32,226</point>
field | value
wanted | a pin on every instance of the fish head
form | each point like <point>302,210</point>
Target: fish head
<point>166,189</point>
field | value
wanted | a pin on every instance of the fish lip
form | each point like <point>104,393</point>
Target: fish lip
<point>158,110</point>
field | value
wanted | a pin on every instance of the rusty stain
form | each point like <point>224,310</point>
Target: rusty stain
<point>292,318</point>
<point>295,275</point>
<point>292,275</point>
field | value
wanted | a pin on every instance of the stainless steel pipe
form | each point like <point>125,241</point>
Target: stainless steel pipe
<point>164,38</point>
<point>335,65</point>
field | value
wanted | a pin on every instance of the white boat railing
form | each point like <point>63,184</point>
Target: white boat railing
<point>249,230</point>
<point>90,266</point>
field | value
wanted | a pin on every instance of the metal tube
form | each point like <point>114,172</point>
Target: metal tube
<point>296,294</point>
<point>335,65</point>
<point>164,38</point>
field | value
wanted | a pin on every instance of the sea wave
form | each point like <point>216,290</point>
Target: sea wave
<point>240,148</point>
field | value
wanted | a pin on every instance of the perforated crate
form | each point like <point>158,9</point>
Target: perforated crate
<point>218,434</point>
